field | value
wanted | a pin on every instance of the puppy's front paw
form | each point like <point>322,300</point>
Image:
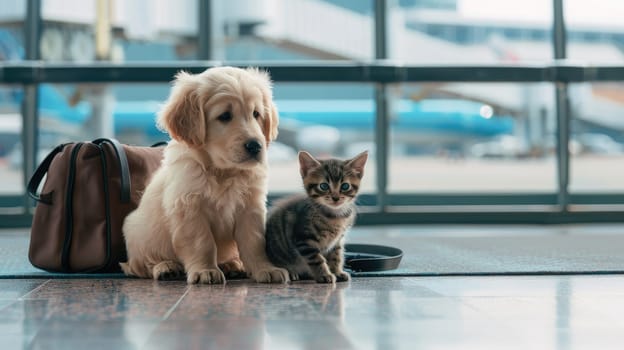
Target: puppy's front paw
<point>168,270</point>
<point>342,276</point>
<point>326,278</point>
<point>207,276</point>
<point>271,275</point>
<point>233,269</point>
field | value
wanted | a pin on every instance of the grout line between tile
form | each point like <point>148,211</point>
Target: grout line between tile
<point>34,290</point>
<point>170,311</point>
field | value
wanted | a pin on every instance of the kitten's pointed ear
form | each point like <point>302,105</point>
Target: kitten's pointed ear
<point>358,162</point>
<point>307,163</point>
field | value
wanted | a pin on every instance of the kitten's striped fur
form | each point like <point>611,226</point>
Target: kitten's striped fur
<point>305,233</point>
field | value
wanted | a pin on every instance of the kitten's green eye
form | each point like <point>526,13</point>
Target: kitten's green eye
<point>324,186</point>
<point>345,186</point>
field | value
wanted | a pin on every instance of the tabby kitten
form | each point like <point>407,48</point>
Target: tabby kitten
<point>305,233</point>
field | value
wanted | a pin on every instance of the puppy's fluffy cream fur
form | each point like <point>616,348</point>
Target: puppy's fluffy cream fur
<point>203,212</point>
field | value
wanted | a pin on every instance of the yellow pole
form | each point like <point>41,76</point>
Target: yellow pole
<point>103,30</point>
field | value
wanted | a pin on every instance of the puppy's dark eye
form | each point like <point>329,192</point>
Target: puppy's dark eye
<point>256,114</point>
<point>225,117</point>
<point>345,186</point>
<point>324,186</point>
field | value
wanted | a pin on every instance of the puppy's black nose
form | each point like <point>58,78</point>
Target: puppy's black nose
<point>253,147</point>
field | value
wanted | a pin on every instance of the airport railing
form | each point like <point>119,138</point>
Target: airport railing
<point>380,208</point>
<point>378,71</point>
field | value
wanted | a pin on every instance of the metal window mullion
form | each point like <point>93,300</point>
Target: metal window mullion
<point>381,142</point>
<point>30,103</point>
<point>204,30</point>
<point>562,109</point>
<point>382,106</point>
<point>559,31</point>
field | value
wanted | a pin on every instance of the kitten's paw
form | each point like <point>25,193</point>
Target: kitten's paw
<point>233,269</point>
<point>342,276</point>
<point>293,276</point>
<point>167,270</point>
<point>271,275</point>
<point>206,276</point>
<point>328,278</point>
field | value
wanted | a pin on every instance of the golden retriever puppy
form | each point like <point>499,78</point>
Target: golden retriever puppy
<point>203,212</point>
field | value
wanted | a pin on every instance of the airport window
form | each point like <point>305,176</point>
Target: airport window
<point>166,32</point>
<point>596,142</point>
<point>11,40</point>
<point>459,137</point>
<point>10,135</point>
<point>325,120</point>
<point>464,34</point>
<point>293,30</point>
<point>511,128</point>
<point>84,111</point>
<point>78,112</point>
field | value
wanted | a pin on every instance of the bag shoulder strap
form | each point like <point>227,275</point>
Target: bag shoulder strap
<point>124,168</point>
<point>42,170</point>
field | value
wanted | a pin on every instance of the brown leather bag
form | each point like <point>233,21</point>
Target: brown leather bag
<point>89,189</point>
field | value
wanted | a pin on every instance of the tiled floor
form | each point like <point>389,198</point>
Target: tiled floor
<point>539,312</point>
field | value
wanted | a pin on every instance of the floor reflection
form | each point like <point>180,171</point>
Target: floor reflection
<point>542,312</point>
<point>243,315</point>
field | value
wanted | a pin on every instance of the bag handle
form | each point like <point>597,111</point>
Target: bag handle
<point>42,169</point>
<point>124,168</point>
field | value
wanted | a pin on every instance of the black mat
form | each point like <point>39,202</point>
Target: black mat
<point>437,251</point>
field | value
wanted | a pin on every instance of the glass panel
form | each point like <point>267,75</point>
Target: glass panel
<point>139,30</point>
<point>70,112</point>
<point>10,135</point>
<point>11,49</point>
<point>144,30</point>
<point>323,119</point>
<point>597,140</point>
<point>326,120</point>
<point>595,33</point>
<point>293,30</point>
<point>471,138</point>
<point>470,31</point>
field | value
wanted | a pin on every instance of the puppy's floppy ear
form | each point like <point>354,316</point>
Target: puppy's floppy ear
<point>271,116</point>
<point>271,122</point>
<point>182,116</point>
